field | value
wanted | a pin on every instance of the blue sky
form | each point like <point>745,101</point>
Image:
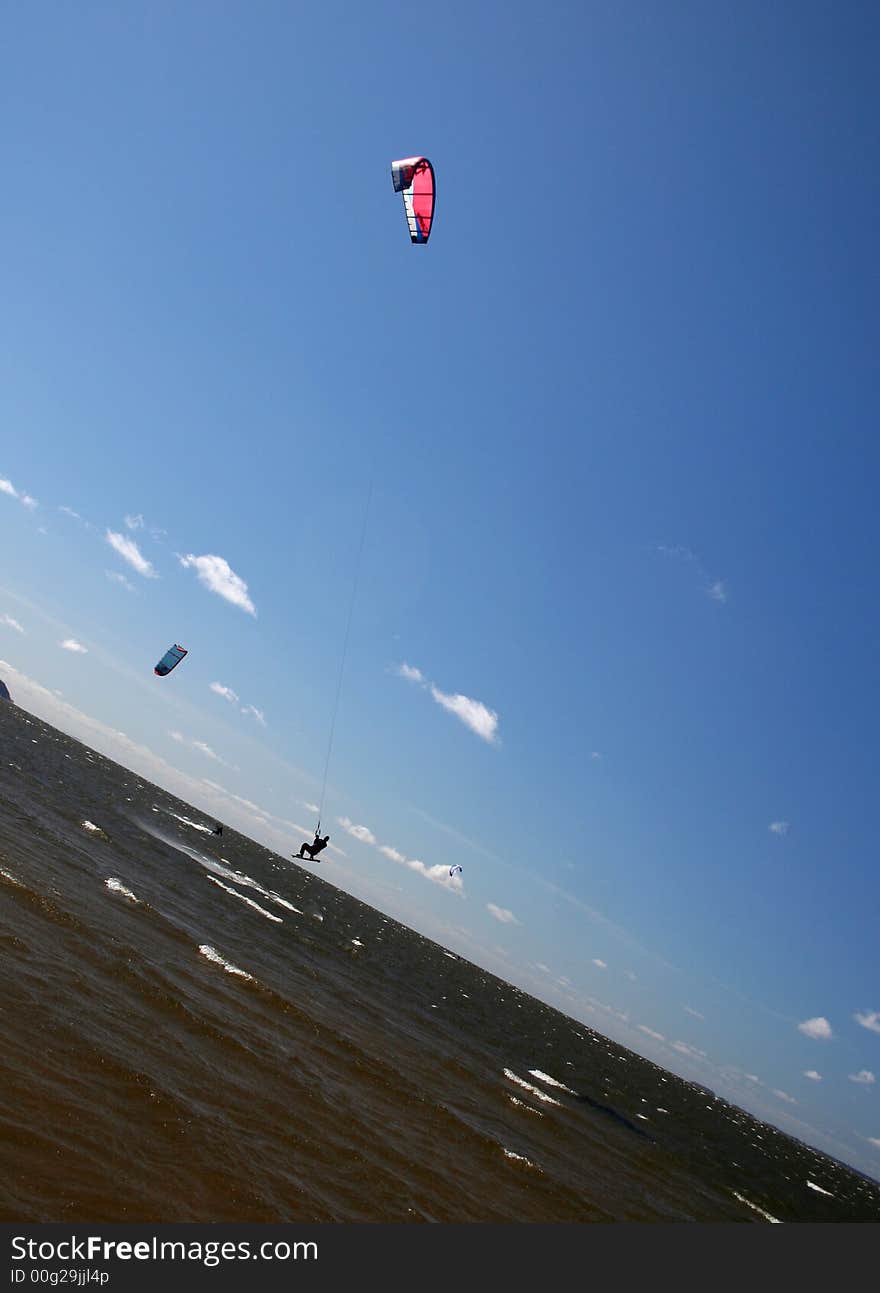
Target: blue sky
<point>620,423</point>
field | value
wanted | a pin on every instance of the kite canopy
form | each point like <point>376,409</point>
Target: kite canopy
<point>414,178</point>
<point>170,660</point>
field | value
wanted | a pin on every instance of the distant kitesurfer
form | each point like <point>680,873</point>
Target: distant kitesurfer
<point>320,842</point>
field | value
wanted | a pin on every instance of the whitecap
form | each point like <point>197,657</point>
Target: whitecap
<point>545,1077</point>
<point>755,1208</point>
<point>521,1104</point>
<point>116,886</point>
<point>527,1086</point>
<point>519,1158</point>
<point>212,955</point>
<point>244,898</point>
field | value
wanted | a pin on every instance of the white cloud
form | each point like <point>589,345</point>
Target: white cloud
<point>783,1095</point>
<point>226,692</point>
<point>750,1077</point>
<point>869,1019</point>
<point>812,1075</point>
<point>643,1028</point>
<point>130,552</point>
<point>439,873</point>
<point>71,644</point>
<point>216,574</point>
<point>410,672</point>
<point>779,828</point>
<point>594,754</point>
<point>312,808</point>
<point>473,713</point>
<point>875,1141</point>
<point>714,588</point>
<point>135,522</point>
<point>203,748</point>
<point>693,1051</point>
<point>120,579</point>
<point>501,913</point>
<point>392,853</point>
<point>7,487</point>
<point>689,1010</point>
<point>68,511</point>
<point>864,1077</point>
<point>602,965</point>
<point>818,1028</point>
<point>255,713</point>
<point>362,833</point>
<point>13,624</point>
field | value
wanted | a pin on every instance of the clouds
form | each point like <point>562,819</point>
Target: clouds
<point>135,522</point>
<point>409,672</point>
<point>600,965</point>
<point>869,1019</point>
<point>226,692</point>
<point>473,713</point>
<point>392,853</point>
<point>11,623</point>
<point>117,578</point>
<point>481,720</point>
<point>715,589</point>
<point>438,872</point>
<point>812,1075</point>
<point>649,1032</point>
<point>7,487</point>
<point>232,697</point>
<point>819,1029</point>
<point>684,1048</point>
<point>362,833</point>
<point>130,552</point>
<point>71,644</point>
<point>201,746</point>
<point>215,574</point>
<point>779,828</point>
<point>864,1077</point>
<point>783,1095</point>
<point>502,914</point>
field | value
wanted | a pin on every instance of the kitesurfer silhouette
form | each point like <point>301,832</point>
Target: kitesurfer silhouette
<point>320,842</point>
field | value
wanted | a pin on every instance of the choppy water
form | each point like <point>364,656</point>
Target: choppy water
<point>195,1029</point>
